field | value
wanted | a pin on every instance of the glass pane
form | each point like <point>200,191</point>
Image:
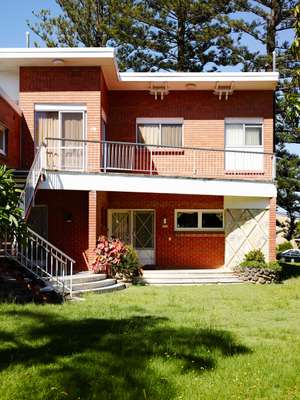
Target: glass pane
<point>148,133</point>
<point>143,228</point>
<point>121,226</point>
<point>253,135</point>
<point>187,220</point>
<point>212,220</point>
<point>171,135</point>
<point>234,135</point>
<point>46,127</point>
<point>2,138</point>
<point>72,126</point>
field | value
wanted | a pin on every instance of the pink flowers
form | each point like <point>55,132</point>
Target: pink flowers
<point>109,254</point>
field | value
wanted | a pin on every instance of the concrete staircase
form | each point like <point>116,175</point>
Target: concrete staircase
<point>188,277</point>
<point>20,177</point>
<point>85,282</point>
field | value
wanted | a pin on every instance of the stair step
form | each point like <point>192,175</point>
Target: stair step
<point>93,284</point>
<point>84,277</point>
<point>105,289</point>
<point>186,276</point>
<point>189,281</point>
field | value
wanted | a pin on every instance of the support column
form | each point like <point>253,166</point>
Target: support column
<point>92,225</point>
<point>272,230</point>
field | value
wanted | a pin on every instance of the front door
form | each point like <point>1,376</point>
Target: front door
<point>135,227</point>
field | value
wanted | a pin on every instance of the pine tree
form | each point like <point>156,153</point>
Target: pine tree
<point>180,35</point>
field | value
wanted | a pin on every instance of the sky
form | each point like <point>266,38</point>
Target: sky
<point>13,27</point>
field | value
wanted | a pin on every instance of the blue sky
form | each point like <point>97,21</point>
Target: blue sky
<point>15,13</point>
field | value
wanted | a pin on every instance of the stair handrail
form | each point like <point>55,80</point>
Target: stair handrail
<point>33,177</point>
<point>43,259</point>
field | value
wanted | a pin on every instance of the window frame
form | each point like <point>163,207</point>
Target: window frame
<point>160,122</point>
<point>3,152</point>
<point>200,212</point>
<point>246,122</point>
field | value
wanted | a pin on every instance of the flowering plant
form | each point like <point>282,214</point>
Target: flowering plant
<point>115,258</point>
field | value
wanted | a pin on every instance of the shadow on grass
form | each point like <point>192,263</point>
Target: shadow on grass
<point>112,358</point>
<point>289,270</point>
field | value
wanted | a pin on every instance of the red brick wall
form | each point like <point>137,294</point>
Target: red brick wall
<point>202,111</point>
<point>177,249</point>
<point>272,230</point>
<point>70,237</point>
<point>11,120</point>
<point>203,115</point>
<point>57,79</point>
<point>61,85</point>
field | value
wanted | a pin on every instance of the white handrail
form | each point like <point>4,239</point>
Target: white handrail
<point>37,167</point>
<point>43,259</point>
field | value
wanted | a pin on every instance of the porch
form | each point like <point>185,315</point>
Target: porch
<point>168,231</point>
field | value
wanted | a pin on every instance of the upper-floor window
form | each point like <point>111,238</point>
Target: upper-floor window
<point>3,140</point>
<point>239,133</point>
<point>163,132</point>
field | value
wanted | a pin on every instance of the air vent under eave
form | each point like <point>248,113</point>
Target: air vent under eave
<point>223,88</point>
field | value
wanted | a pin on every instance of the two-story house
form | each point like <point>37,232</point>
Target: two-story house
<point>180,165</point>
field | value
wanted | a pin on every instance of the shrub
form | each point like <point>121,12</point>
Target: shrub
<point>255,255</point>
<point>274,266</point>
<point>284,246</point>
<point>115,258</point>
<point>252,264</point>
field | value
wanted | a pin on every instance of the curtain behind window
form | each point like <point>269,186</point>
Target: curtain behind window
<point>46,127</point>
<point>171,135</point>
<point>149,134</point>
<point>234,135</point>
<point>253,136</point>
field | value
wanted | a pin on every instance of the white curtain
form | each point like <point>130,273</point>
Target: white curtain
<point>149,134</point>
<point>171,135</point>
<point>234,135</point>
<point>72,126</point>
<point>253,136</point>
<point>46,127</point>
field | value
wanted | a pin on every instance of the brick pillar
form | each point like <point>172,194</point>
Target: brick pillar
<point>92,225</point>
<point>101,213</point>
<point>272,230</point>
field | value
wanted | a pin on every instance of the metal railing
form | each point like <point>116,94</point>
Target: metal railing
<point>41,258</point>
<point>27,195</point>
<point>107,156</point>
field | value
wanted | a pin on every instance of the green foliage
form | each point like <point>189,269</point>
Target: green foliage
<point>252,264</point>
<point>255,255</point>
<point>284,246</point>
<point>115,258</point>
<point>11,215</point>
<point>272,265</point>
<point>148,35</point>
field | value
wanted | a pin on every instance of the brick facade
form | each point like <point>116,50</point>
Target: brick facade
<point>11,120</point>
<point>63,85</point>
<point>272,230</point>
<point>68,220</point>
<point>177,249</point>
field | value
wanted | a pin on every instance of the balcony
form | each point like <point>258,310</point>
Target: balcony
<point>141,159</point>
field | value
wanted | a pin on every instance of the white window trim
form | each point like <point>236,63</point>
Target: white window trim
<point>3,151</point>
<point>159,121</point>
<point>249,122</point>
<point>60,107</point>
<point>199,228</point>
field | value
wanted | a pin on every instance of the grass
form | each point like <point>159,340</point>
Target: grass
<point>156,343</point>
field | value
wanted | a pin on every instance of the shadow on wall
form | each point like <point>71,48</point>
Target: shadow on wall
<point>110,358</point>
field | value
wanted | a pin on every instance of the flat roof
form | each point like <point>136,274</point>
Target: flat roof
<point>11,59</point>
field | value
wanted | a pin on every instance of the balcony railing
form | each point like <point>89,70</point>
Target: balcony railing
<point>136,158</point>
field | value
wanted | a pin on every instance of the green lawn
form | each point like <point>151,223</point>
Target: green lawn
<point>205,342</point>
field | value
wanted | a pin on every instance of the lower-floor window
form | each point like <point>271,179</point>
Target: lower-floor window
<point>199,220</point>
<point>3,135</point>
